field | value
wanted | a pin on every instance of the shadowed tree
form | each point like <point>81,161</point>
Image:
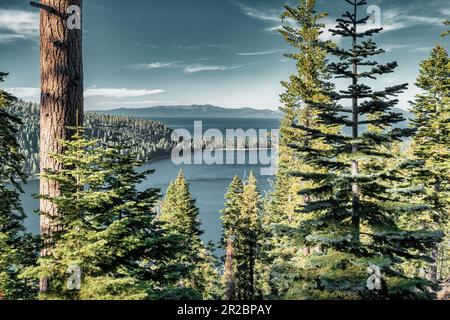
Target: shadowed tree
<point>430,146</point>
<point>18,249</point>
<point>181,217</point>
<point>109,229</point>
<point>228,278</point>
<point>355,201</point>
<point>61,100</point>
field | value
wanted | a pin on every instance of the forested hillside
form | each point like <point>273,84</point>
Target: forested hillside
<point>149,139</point>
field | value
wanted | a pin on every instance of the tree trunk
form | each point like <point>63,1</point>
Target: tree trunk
<point>434,272</point>
<point>229,272</point>
<point>251,273</point>
<point>355,148</point>
<point>61,100</point>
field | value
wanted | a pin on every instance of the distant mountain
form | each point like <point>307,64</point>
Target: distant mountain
<point>194,111</point>
<point>205,111</point>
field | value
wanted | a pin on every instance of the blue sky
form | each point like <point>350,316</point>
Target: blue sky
<point>142,53</point>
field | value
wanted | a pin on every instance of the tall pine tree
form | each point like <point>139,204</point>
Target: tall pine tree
<point>181,217</point>
<point>229,217</point>
<point>431,147</point>
<point>229,274</point>
<point>353,208</point>
<point>232,210</point>
<point>308,84</point>
<point>18,249</point>
<point>242,233</point>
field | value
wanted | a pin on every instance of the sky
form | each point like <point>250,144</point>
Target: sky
<point>143,53</point>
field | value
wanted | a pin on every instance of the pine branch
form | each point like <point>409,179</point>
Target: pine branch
<point>3,76</point>
<point>47,8</point>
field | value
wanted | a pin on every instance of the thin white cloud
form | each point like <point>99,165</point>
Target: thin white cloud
<point>31,93</point>
<point>396,19</point>
<point>258,53</point>
<point>119,92</point>
<point>263,15</point>
<point>25,93</point>
<point>422,49</point>
<point>219,46</point>
<point>18,24</point>
<point>389,47</point>
<point>154,65</point>
<point>274,16</point>
<point>189,47</point>
<point>186,68</point>
<point>392,19</point>
<point>202,68</point>
<point>138,103</point>
<point>6,38</point>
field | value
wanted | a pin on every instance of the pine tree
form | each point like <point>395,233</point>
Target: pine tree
<point>430,147</point>
<point>181,217</point>
<point>241,239</point>
<point>108,243</point>
<point>230,217</point>
<point>18,249</point>
<point>232,210</point>
<point>306,85</point>
<point>61,96</point>
<point>247,242</point>
<point>354,203</point>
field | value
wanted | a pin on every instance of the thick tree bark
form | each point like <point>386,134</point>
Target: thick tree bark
<point>61,99</point>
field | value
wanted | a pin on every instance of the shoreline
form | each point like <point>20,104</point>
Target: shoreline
<point>35,177</point>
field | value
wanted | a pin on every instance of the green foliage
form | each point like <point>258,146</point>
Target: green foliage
<point>232,211</point>
<point>242,228</point>
<point>18,249</point>
<point>230,217</point>
<point>354,203</point>
<point>308,84</point>
<point>430,149</point>
<point>147,139</point>
<point>107,228</point>
<point>181,217</point>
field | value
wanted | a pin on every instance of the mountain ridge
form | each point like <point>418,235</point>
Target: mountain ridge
<point>207,111</point>
<point>191,111</point>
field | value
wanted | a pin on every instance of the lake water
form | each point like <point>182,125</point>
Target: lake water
<point>208,183</point>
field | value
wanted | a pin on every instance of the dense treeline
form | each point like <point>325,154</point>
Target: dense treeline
<point>148,139</point>
<point>354,213</point>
